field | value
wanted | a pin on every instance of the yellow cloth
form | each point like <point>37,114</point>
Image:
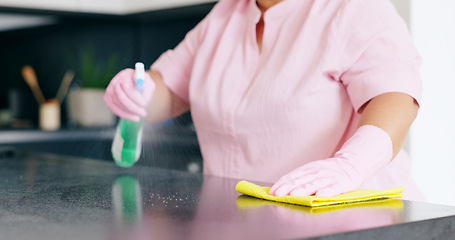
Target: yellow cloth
<point>254,190</point>
<point>246,202</point>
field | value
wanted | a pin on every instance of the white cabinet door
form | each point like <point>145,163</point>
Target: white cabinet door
<point>132,6</point>
<point>101,6</point>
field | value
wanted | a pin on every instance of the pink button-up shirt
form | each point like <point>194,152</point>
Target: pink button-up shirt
<point>260,114</point>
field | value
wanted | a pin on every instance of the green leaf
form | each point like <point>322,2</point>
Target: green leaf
<point>89,73</point>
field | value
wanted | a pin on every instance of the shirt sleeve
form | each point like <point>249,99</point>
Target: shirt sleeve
<point>175,65</point>
<point>377,53</point>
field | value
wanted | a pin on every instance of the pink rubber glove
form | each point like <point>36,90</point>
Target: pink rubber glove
<point>122,98</point>
<point>366,152</point>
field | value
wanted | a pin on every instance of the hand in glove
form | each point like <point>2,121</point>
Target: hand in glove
<point>366,152</point>
<point>124,100</point>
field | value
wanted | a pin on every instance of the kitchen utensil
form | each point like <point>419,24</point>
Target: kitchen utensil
<point>63,89</point>
<point>30,77</point>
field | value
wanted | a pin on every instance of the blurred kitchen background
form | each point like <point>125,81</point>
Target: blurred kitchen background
<point>101,37</point>
<point>94,39</point>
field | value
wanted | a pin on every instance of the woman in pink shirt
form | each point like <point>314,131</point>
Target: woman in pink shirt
<point>315,96</point>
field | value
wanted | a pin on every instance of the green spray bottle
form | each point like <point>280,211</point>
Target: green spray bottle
<point>127,144</point>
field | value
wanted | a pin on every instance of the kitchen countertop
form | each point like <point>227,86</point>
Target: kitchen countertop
<point>45,196</point>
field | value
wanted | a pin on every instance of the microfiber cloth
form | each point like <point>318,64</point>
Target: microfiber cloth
<point>254,190</point>
<point>246,202</point>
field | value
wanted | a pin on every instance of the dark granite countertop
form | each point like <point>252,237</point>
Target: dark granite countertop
<point>45,196</point>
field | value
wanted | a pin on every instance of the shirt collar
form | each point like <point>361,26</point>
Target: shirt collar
<point>279,10</point>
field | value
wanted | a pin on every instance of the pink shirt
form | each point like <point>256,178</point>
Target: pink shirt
<point>259,115</point>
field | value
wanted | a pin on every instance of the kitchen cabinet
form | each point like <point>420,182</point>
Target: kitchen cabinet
<point>52,41</point>
<point>119,7</point>
<point>46,196</point>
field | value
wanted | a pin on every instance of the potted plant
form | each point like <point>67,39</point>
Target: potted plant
<point>85,103</point>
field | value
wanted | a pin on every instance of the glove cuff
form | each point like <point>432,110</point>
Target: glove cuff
<point>369,150</point>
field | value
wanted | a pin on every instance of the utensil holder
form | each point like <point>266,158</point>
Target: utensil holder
<point>49,116</point>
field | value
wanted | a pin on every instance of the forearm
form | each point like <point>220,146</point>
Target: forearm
<point>393,113</point>
<point>164,103</point>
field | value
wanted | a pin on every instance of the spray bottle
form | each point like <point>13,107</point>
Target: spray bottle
<point>127,144</point>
